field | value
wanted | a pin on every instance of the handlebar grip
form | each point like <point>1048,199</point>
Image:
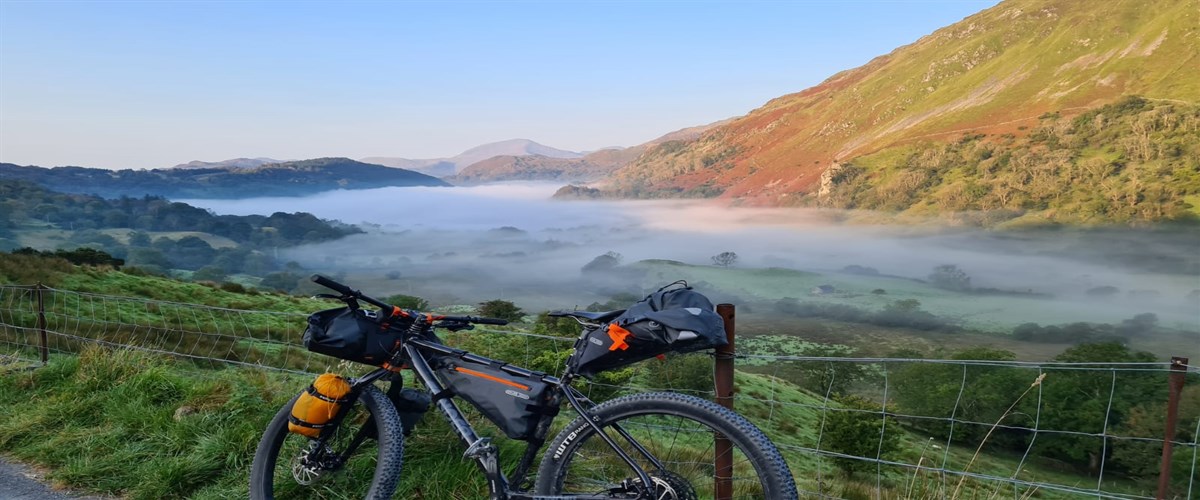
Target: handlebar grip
<point>333,285</point>
<point>489,321</point>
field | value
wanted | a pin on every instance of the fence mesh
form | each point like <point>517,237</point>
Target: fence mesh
<point>849,427</point>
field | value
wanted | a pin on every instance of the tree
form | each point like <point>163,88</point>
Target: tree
<point>407,302</point>
<point>976,393</point>
<point>283,282</point>
<point>139,239</point>
<point>603,263</point>
<point>1078,401</point>
<point>950,277</point>
<point>502,309</point>
<point>858,429</point>
<point>147,258</point>
<point>725,259</point>
<point>209,273</point>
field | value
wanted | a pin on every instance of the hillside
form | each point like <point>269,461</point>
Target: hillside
<point>153,233</point>
<point>994,73</point>
<point>295,178</point>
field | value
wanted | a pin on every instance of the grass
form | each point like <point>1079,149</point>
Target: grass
<point>106,421</point>
<point>142,426</point>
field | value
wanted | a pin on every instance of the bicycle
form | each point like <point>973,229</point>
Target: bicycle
<point>655,445</point>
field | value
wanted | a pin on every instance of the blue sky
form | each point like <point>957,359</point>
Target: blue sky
<point>152,84</point>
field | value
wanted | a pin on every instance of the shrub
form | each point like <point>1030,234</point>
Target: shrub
<point>725,259</point>
<point>950,277</point>
<point>502,309</point>
<point>209,273</point>
<point>232,287</point>
<point>857,430</point>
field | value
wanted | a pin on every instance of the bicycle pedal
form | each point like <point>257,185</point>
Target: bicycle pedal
<point>481,447</point>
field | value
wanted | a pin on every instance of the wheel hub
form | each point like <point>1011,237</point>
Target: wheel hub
<point>311,463</point>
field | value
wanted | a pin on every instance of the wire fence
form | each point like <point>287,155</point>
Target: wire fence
<point>849,427</point>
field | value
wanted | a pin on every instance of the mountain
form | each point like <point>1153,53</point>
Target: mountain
<point>293,178</point>
<point>1003,79</point>
<point>234,163</point>
<point>590,167</point>
<point>449,166</point>
<point>537,168</point>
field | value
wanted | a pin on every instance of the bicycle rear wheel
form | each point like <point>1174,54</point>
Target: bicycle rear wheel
<point>678,430</point>
<point>288,465</point>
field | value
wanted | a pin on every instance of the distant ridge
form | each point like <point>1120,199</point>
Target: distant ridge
<point>441,167</point>
<point>233,163</point>
<point>293,178</point>
<point>593,166</point>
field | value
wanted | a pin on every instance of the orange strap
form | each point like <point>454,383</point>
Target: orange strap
<point>618,336</point>
<point>492,378</point>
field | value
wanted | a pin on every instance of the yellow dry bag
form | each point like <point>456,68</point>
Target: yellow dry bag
<point>318,405</point>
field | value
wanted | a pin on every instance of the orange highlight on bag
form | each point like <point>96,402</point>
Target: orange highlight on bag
<point>509,383</point>
<point>618,336</point>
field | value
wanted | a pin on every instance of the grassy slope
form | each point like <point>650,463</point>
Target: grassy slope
<point>106,421</point>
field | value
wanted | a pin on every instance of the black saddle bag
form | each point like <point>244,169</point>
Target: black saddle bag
<point>675,320</point>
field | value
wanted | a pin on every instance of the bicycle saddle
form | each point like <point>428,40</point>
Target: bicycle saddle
<point>598,317</point>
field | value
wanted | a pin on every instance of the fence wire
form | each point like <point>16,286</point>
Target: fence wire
<point>849,427</point>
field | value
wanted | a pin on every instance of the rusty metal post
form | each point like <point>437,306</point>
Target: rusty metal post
<point>41,323</point>
<point>1175,384</point>
<point>723,380</point>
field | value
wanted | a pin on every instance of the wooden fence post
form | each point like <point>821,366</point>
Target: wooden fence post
<point>41,323</point>
<point>723,380</point>
<point>1175,385</point>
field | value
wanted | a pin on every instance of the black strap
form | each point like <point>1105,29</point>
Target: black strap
<point>295,421</point>
<point>312,391</point>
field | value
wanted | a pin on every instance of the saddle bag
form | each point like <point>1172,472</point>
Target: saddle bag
<point>514,403</point>
<point>676,320</point>
<point>318,404</point>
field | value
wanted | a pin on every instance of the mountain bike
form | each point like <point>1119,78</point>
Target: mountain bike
<point>653,445</point>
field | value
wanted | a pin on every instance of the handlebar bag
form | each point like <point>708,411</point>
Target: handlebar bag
<point>514,403</point>
<point>351,334</point>
<point>675,320</point>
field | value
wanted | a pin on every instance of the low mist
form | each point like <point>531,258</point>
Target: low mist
<point>466,245</point>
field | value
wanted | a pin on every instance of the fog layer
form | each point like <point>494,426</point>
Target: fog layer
<point>465,245</point>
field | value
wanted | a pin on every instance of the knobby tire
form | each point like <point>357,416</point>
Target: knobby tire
<point>271,476</point>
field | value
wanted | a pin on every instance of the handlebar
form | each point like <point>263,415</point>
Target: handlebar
<point>351,294</point>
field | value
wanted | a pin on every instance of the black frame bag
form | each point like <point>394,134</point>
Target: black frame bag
<point>352,334</point>
<point>675,320</point>
<point>514,403</point>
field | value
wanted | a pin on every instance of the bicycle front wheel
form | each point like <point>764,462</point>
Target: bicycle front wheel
<point>677,432</point>
<point>360,459</point>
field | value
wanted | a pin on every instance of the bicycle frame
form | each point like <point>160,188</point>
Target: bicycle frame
<point>414,353</point>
